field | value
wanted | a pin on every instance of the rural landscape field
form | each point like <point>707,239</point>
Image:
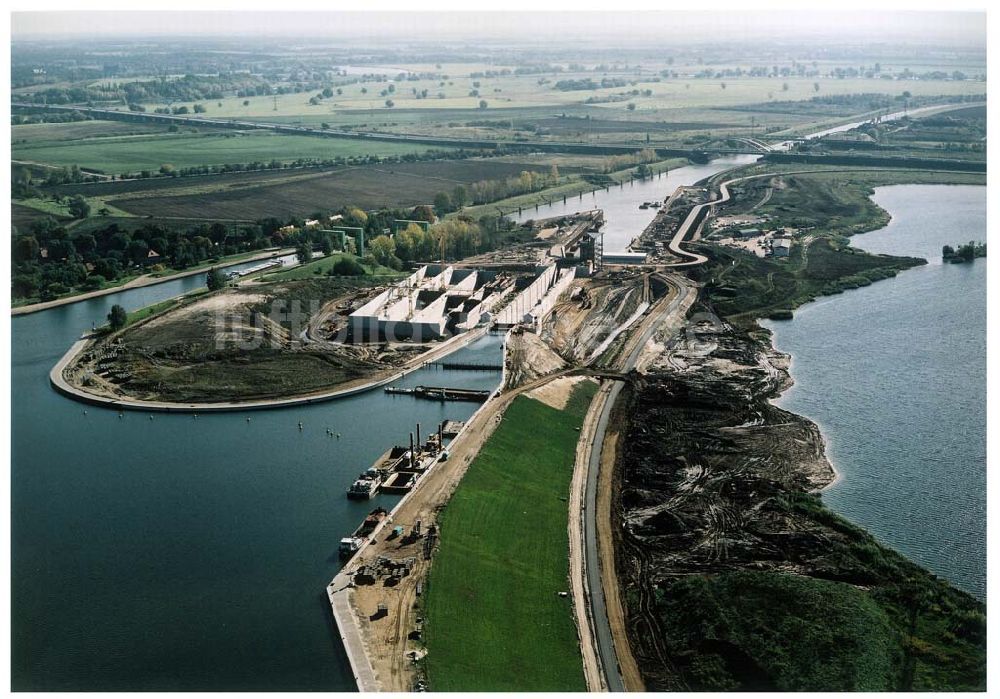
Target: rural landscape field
<point>602,351</point>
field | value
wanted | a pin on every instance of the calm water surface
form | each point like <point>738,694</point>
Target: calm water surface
<point>180,553</point>
<point>895,375</point>
<point>624,219</point>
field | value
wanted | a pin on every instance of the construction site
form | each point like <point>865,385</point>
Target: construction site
<point>431,303</point>
<point>559,329</point>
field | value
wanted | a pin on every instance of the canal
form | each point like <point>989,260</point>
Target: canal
<point>184,553</point>
<point>624,219</point>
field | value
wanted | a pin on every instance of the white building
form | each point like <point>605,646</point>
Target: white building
<point>431,303</point>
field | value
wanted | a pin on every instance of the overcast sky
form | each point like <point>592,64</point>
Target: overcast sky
<point>945,27</point>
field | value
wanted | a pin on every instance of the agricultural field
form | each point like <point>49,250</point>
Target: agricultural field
<point>33,134</point>
<point>506,92</point>
<point>494,618</point>
<point>287,193</point>
<point>115,155</point>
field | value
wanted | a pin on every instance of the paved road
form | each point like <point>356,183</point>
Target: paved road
<point>601,628</point>
<point>605,641</point>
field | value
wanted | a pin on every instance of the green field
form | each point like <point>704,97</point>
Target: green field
<point>524,92</point>
<point>77,130</point>
<point>323,265</point>
<point>494,619</point>
<point>134,153</point>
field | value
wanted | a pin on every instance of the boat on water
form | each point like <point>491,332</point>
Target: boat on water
<point>350,545</point>
<point>366,485</point>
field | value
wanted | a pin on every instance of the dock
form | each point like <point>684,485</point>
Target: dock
<point>440,393</point>
<point>469,366</point>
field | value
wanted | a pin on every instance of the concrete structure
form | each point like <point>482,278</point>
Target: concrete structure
<point>431,303</point>
<point>536,297</point>
<point>625,258</point>
<point>358,234</point>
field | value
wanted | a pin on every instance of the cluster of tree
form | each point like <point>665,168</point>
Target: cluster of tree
<point>49,261</point>
<point>964,253</point>
<point>493,73</point>
<point>47,118</point>
<point>452,239</point>
<point>613,163</point>
<point>445,203</point>
<point>590,84</point>
<point>25,180</point>
<point>169,170</point>
<point>528,181</point>
<point>188,88</point>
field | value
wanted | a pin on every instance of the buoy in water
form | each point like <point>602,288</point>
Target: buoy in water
<point>338,435</point>
<point>300,425</point>
<point>150,417</point>
<point>248,419</point>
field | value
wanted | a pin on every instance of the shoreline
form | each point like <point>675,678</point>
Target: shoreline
<point>63,386</point>
<point>824,431</point>
<point>141,281</point>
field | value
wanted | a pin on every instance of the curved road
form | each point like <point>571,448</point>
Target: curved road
<point>601,632</point>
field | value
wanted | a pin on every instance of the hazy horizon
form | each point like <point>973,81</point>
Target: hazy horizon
<point>936,27</point>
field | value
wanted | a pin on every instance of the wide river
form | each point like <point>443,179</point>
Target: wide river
<point>895,376</point>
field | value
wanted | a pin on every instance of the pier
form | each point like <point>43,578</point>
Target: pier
<point>440,393</point>
<point>468,366</point>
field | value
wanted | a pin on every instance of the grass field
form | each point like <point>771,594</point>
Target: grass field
<point>524,92</point>
<point>135,153</point>
<point>77,130</point>
<point>844,641</point>
<point>494,619</point>
<point>323,265</point>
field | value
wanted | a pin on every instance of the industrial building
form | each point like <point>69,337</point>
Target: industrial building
<point>625,258</point>
<point>780,247</point>
<point>432,303</point>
